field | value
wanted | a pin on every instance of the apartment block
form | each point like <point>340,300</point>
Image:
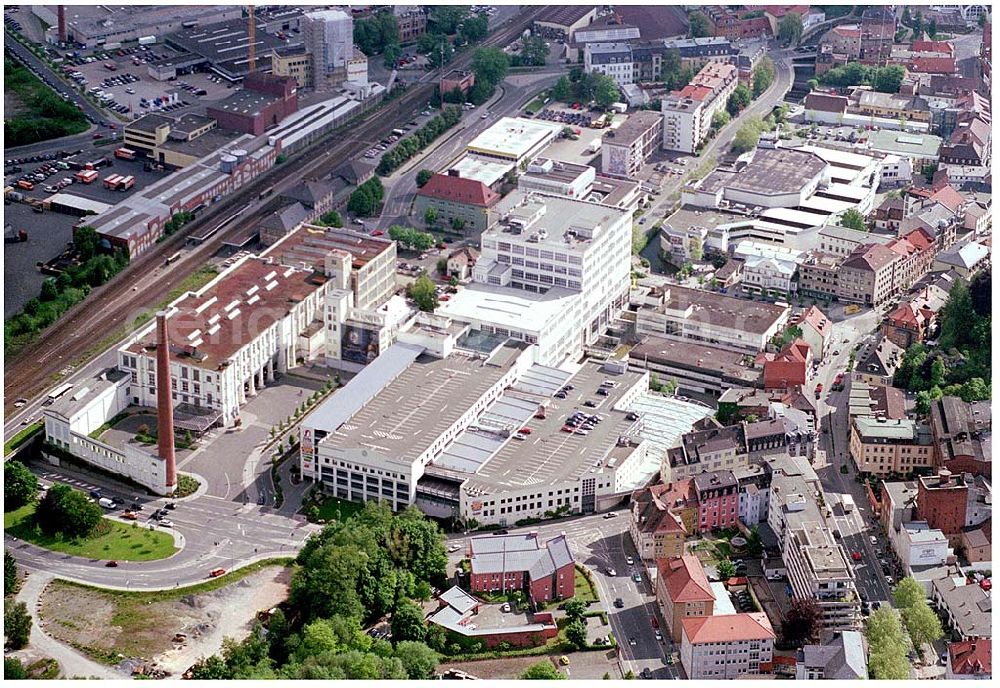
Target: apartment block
<point>687,114</point>
<point>880,446</point>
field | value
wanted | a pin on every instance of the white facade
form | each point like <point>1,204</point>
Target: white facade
<point>896,170</point>
<point>687,114</point>
<point>765,274</point>
<point>69,422</point>
<point>273,343</point>
<point>610,59</point>
<point>557,178</point>
<point>917,545</point>
<point>753,505</point>
<point>729,659</point>
<point>550,250</point>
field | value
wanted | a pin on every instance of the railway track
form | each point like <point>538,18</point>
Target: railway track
<point>146,281</point>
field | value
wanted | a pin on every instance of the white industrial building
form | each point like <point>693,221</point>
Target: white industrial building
<point>467,425</point>
<point>71,419</point>
<point>515,139</point>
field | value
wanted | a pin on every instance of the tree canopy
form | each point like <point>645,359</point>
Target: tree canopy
<point>67,511</point>
<point>887,645</point>
<point>698,26</point>
<point>790,28</point>
<point>541,671</point>
<point>802,621</point>
<point>20,486</point>
<point>738,100</point>
<point>853,219</point>
<point>763,74</point>
<point>422,292</point>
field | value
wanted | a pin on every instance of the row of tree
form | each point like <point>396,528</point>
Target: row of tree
<point>883,79</point>
<point>95,267</point>
<point>409,146</point>
<point>408,237</point>
<point>349,575</point>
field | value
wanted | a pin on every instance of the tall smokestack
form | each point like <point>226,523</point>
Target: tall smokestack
<point>164,400</point>
<point>62,23</point>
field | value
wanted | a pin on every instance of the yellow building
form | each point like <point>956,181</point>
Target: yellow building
<point>881,446</point>
<point>297,64</point>
<point>682,591</point>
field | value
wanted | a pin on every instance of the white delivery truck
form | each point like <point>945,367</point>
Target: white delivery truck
<point>107,503</point>
<point>847,501</point>
<point>594,146</point>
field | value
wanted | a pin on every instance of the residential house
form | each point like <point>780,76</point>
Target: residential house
<point>817,330</point>
<point>461,262</point>
<point>718,500</point>
<point>889,214</point>
<point>682,592</point>
<point>466,616</point>
<point>880,446</point>
<point>966,259</point>
<point>456,199</point>
<point>789,367</point>
<point>842,657</point>
<point>966,607</point>
<point>727,647</point>
<point>880,364</point>
<point>655,523</point>
<point>970,659</point>
<point>867,275</point>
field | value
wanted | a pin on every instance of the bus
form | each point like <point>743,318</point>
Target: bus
<point>56,393</point>
<point>173,259</point>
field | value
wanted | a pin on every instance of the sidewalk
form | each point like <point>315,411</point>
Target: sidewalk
<point>73,664</point>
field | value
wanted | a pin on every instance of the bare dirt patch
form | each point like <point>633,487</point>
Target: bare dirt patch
<point>113,626</point>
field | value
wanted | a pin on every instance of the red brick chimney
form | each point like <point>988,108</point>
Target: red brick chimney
<point>164,400</point>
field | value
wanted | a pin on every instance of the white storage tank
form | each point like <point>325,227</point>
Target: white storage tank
<point>227,163</point>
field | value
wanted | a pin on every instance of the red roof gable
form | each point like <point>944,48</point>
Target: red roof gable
<point>459,190</point>
<point>972,657</point>
<point>920,239</point>
<point>932,47</point>
<point>685,579</point>
<point>949,198</point>
<point>932,65</point>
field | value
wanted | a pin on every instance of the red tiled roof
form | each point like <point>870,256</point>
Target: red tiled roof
<point>972,657</point>
<point>850,31</point>
<point>728,628</point>
<point>920,239</point>
<point>459,190</point>
<point>815,317</point>
<point>932,47</point>
<point>685,579</point>
<point>902,247</point>
<point>825,102</point>
<point>904,315</point>
<point>949,198</point>
<point>932,65</point>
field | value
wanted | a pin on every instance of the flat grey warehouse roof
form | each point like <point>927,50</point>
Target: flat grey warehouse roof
<point>413,408</point>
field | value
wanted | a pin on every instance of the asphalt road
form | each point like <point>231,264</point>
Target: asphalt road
<point>832,410</point>
<point>215,532</point>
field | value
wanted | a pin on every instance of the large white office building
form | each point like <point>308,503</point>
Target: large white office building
<point>329,37</point>
<point>553,272</point>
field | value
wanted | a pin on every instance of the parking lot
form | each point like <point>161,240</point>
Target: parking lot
<point>132,92</point>
<point>55,175</point>
<point>48,235</point>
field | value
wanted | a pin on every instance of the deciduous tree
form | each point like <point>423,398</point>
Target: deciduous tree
<point>541,671</point>
<point>20,486</point>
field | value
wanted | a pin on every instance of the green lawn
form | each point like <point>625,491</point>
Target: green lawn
<point>339,509</point>
<point>585,590</point>
<point>122,542</point>
<point>21,437</point>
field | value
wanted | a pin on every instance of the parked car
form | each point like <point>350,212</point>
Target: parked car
<point>215,573</point>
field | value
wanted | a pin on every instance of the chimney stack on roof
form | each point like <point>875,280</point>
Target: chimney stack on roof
<point>164,401</point>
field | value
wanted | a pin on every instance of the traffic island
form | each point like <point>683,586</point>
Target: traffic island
<point>110,540</point>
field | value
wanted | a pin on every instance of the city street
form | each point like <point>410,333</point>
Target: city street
<point>215,533</point>
<point>832,453</point>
